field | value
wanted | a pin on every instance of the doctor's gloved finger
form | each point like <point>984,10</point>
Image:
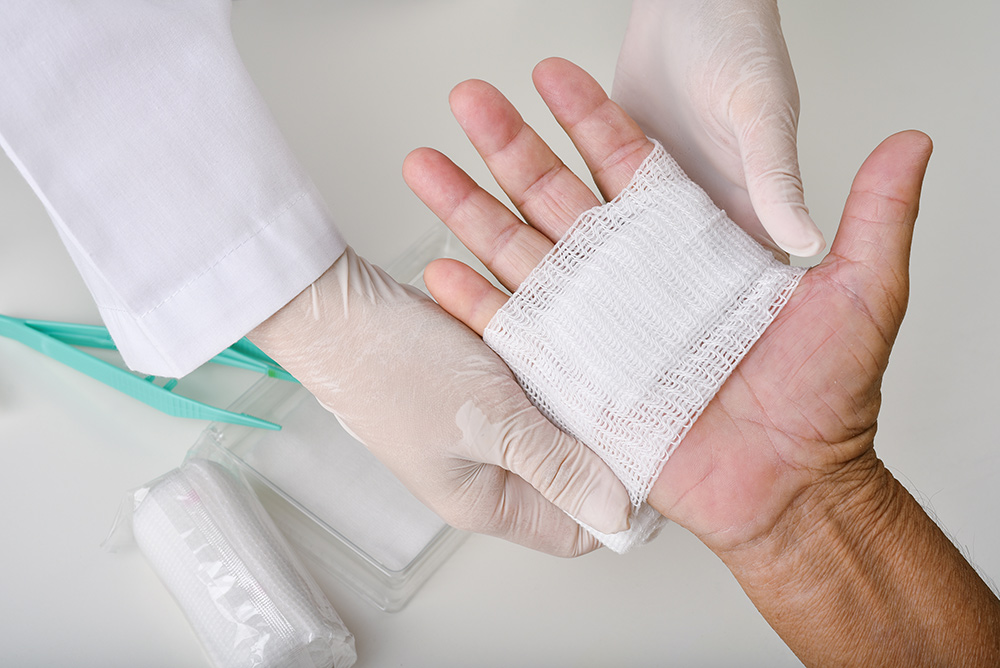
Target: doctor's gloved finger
<point>521,515</point>
<point>611,143</point>
<point>518,438</point>
<point>546,192</point>
<point>508,247</point>
<point>771,170</point>
<point>463,293</point>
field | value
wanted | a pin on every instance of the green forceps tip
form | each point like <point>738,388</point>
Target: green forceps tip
<point>59,340</point>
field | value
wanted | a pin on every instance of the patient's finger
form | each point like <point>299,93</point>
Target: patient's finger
<point>611,143</point>
<point>508,247</point>
<point>544,190</point>
<point>463,293</point>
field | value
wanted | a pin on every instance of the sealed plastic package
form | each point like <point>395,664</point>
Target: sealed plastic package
<point>242,589</point>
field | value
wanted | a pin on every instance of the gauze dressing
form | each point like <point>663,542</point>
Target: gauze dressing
<point>630,325</point>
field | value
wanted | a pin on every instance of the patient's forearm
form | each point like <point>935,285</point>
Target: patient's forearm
<point>856,573</point>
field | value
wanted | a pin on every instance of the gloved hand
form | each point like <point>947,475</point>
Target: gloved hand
<point>712,81</point>
<point>441,410</point>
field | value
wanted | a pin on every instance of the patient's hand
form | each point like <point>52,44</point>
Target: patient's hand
<point>778,476</point>
<point>802,404</point>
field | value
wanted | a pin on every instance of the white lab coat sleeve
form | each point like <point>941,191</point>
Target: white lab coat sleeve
<point>138,126</point>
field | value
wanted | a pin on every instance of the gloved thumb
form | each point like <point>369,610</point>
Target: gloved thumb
<point>771,170</point>
<point>563,470</point>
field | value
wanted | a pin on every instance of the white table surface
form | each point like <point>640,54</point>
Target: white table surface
<point>356,85</point>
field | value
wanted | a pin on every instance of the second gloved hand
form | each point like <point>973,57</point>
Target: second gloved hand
<point>711,79</point>
<point>441,410</point>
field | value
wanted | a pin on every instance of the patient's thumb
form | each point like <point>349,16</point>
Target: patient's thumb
<point>876,229</point>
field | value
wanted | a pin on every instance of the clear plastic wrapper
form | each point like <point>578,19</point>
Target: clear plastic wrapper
<point>243,590</point>
<point>343,512</point>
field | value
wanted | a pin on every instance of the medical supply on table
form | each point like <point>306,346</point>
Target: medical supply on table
<point>341,509</point>
<point>233,565</point>
<point>631,324</point>
<point>246,596</point>
<point>59,340</point>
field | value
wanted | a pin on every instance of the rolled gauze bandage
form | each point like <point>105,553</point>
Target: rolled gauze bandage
<point>630,325</point>
<point>246,596</point>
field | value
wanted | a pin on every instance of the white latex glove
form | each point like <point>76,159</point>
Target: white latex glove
<point>441,410</point>
<point>711,79</point>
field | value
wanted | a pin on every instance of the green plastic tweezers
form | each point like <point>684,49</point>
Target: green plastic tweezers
<point>58,340</point>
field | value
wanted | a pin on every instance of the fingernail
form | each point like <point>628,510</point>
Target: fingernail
<point>805,241</point>
<point>606,508</point>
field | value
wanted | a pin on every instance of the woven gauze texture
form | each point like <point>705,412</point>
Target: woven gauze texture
<point>630,325</point>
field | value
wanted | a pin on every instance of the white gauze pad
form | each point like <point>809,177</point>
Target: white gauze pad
<point>630,325</point>
<point>247,597</point>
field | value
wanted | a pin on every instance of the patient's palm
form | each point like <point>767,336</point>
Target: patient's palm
<point>804,400</point>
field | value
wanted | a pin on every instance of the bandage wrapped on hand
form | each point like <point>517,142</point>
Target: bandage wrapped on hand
<point>630,325</point>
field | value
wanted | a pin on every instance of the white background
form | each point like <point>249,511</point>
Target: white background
<point>356,85</point>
